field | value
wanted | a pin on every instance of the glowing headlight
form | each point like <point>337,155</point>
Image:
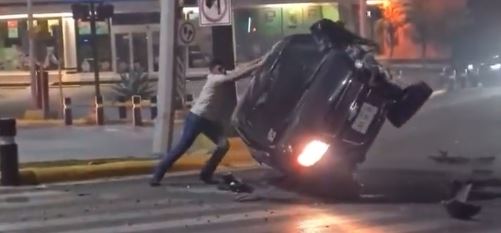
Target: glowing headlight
<point>312,153</point>
<point>359,64</point>
<point>496,67</point>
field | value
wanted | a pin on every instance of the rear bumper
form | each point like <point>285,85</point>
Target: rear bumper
<point>284,160</point>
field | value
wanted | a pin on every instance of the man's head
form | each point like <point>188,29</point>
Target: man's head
<point>216,66</point>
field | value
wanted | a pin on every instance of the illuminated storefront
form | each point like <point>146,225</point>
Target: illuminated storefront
<point>59,38</point>
<point>131,37</point>
<point>14,42</point>
<point>256,27</point>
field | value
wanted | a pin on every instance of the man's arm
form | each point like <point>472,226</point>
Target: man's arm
<point>243,70</point>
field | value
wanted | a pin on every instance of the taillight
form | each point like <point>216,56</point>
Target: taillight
<point>312,153</point>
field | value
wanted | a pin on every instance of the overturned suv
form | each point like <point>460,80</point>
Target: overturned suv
<point>317,104</point>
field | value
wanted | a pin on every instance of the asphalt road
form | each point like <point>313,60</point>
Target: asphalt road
<point>184,205</point>
<point>463,123</point>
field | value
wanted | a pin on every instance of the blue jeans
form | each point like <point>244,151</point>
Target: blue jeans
<point>194,125</point>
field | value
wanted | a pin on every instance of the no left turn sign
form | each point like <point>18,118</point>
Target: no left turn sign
<point>215,12</point>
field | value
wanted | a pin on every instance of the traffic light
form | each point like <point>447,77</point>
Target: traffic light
<point>80,11</point>
<point>93,11</point>
<point>83,12</point>
<point>374,13</point>
<point>104,12</point>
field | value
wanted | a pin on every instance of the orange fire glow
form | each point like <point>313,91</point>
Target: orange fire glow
<point>399,35</point>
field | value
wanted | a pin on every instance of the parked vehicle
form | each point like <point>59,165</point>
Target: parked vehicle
<point>486,71</point>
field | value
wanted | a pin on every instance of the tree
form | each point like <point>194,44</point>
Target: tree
<point>421,25</point>
<point>434,21</point>
<point>387,34</point>
<point>480,35</point>
<point>485,19</point>
<point>389,25</point>
<point>485,12</point>
<point>424,23</point>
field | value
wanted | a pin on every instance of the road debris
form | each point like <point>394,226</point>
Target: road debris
<point>231,183</point>
<point>458,207</point>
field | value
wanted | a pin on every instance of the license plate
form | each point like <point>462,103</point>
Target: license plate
<point>364,118</point>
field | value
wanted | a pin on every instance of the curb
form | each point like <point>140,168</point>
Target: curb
<point>237,156</point>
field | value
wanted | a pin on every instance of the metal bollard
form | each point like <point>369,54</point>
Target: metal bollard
<point>38,89</point>
<point>122,109</point>
<point>137,119</point>
<point>99,110</point>
<point>189,100</point>
<point>153,107</point>
<point>45,94</point>
<point>68,113</point>
<point>9,163</point>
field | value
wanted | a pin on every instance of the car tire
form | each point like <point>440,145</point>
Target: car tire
<point>343,184</point>
<point>342,187</point>
<point>414,97</point>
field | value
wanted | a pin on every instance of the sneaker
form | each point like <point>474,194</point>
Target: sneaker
<point>154,183</point>
<point>208,180</point>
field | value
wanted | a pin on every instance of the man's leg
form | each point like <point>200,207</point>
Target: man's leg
<point>215,133</point>
<point>192,129</point>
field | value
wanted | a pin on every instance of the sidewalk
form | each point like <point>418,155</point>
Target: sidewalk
<point>59,154</point>
<point>88,143</point>
<point>85,143</point>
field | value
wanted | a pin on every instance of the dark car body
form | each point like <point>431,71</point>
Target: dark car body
<point>303,94</point>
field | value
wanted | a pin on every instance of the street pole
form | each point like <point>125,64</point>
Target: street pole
<point>362,17</point>
<point>60,72</point>
<point>166,80</point>
<point>94,47</point>
<point>31,51</point>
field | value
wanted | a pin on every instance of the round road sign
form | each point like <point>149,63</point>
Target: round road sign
<point>214,11</point>
<point>187,33</point>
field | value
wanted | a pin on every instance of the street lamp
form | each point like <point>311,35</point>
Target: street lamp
<point>92,11</point>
